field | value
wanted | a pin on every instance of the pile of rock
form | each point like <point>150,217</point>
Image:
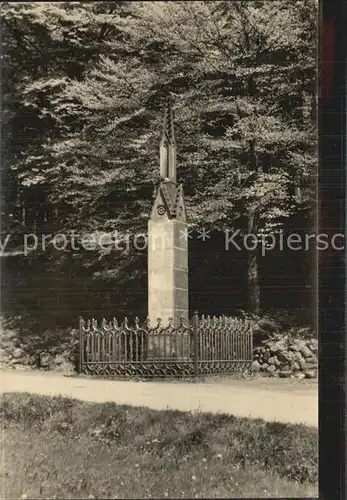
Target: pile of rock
<point>12,351</point>
<point>27,352</point>
<point>287,357</point>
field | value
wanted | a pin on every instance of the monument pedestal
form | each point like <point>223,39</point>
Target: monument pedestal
<point>167,272</point>
<point>162,347</point>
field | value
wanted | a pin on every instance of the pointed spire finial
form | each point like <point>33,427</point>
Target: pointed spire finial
<point>168,131</point>
<point>168,143</point>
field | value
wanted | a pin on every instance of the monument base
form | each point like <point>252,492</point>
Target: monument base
<point>169,347</point>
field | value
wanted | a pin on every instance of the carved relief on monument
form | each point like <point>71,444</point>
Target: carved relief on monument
<point>169,201</point>
<point>161,210</point>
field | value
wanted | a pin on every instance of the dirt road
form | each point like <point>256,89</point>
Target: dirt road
<point>271,399</point>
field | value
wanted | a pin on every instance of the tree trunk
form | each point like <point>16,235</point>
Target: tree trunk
<point>252,270</point>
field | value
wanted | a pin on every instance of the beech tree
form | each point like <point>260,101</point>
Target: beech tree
<point>252,74</point>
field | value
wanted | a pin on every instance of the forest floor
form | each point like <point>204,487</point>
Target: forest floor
<point>282,400</point>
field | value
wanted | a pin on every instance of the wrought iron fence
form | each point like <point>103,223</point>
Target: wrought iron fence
<point>205,346</point>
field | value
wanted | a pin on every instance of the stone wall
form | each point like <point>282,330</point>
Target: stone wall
<point>287,357</point>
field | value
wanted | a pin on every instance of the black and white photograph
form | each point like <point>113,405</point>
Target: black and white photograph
<point>159,249</point>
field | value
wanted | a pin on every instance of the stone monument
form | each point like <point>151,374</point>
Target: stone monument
<point>167,237</point>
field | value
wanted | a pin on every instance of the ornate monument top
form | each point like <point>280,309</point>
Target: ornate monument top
<point>168,195</point>
<point>168,144</point>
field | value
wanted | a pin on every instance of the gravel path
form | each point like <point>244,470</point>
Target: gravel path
<point>287,401</point>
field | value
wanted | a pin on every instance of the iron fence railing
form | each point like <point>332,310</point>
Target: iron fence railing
<point>202,347</point>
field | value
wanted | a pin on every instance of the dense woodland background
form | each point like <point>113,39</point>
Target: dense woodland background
<point>82,101</point>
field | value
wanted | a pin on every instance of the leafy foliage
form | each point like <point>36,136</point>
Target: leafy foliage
<point>83,94</point>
